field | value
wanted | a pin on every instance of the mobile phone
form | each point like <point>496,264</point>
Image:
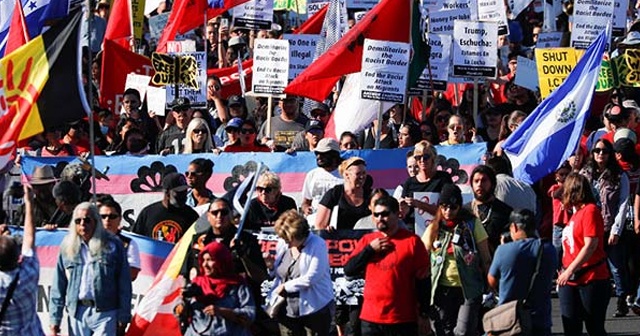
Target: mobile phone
<point>224,23</point>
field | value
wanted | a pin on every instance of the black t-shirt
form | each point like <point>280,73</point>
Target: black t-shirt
<point>495,219</point>
<point>160,223</point>
<point>412,185</point>
<point>260,216</point>
<point>348,215</point>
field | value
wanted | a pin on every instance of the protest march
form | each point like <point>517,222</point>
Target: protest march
<point>319,167</point>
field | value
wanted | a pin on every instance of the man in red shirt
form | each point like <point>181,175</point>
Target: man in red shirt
<point>395,264</point>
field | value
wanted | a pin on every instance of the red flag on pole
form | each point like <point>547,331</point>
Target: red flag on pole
<point>18,32</point>
<point>120,25</point>
<point>345,57</point>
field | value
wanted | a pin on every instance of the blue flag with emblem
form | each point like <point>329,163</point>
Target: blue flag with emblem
<point>551,133</point>
<point>36,13</point>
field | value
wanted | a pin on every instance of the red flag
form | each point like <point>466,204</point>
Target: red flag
<point>230,79</point>
<point>18,33</point>
<point>189,14</point>
<point>386,21</point>
<point>313,25</point>
<point>117,62</point>
<point>120,25</point>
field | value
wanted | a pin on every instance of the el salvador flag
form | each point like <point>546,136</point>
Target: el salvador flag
<point>36,13</point>
<point>552,132</point>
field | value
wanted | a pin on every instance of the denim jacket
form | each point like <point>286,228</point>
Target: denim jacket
<point>239,299</point>
<point>112,283</point>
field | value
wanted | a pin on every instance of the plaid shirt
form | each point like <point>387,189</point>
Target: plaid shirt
<point>20,317</point>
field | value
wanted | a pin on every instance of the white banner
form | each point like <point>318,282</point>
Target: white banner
<point>254,14</point>
<point>197,98</point>
<point>301,49</point>
<point>590,18</point>
<point>270,67</point>
<point>474,48</point>
<point>384,70</point>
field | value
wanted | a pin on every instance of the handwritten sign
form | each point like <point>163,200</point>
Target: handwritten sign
<point>192,85</point>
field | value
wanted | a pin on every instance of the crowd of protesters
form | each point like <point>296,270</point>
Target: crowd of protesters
<point>583,221</point>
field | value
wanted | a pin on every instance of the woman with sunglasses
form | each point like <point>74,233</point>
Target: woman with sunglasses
<point>198,137</point>
<point>198,174</point>
<point>611,186</point>
<point>247,140</point>
<point>428,179</point>
<point>269,204</point>
<point>460,259</point>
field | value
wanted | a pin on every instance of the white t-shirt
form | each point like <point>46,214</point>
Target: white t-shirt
<point>317,182</point>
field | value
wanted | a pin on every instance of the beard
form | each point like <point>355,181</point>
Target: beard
<point>484,197</point>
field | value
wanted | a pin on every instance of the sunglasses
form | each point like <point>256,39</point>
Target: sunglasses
<point>247,131</point>
<point>600,151</point>
<point>264,189</point>
<point>192,173</point>
<point>223,212</point>
<point>108,216</point>
<point>385,213</point>
<point>81,220</point>
<point>455,127</point>
<point>200,131</point>
<point>424,157</point>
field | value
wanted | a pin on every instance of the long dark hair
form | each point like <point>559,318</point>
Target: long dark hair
<point>612,169</point>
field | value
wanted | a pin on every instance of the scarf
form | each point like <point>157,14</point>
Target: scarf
<point>215,287</point>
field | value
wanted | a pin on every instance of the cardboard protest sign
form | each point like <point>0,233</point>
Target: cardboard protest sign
<point>301,49</point>
<point>384,70</point>
<point>441,22</point>
<point>438,64</point>
<point>549,40</point>
<point>475,52</point>
<point>494,11</point>
<point>254,14</point>
<point>554,65</point>
<point>527,74</point>
<point>270,67</point>
<point>156,100</point>
<point>619,25</point>
<point>590,18</point>
<point>138,82</point>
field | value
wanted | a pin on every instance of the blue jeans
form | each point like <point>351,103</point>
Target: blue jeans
<point>617,260</point>
<point>377,329</point>
<point>89,322</point>
<point>584,304</point>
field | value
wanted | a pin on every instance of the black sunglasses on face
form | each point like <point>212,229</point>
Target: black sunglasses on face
<point>200,131</point>
<point>84,219</point>
<point>385,213</point>
<point>109,216</point>
<point>247,131</point>
<point>223,212</point>
<point>264,189</point>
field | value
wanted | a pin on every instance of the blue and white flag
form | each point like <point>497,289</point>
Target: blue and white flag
<point>552,132</point>
<point>36,13</point>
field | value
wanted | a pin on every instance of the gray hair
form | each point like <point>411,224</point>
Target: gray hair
<point>70,246</point>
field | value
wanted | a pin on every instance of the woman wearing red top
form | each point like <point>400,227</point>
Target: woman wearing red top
<point>584,289</point>
<point>247,140</point>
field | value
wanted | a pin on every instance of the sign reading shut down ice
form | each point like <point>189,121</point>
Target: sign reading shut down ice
<point>474,48</point>
<point>384,70</point>
<point>270,67</point>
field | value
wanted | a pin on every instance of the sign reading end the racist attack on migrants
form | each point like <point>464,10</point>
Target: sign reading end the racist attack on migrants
<point>475,52</point>
<point>254,14</point>
<point>494,11</point>
<point>301,50</point>
<point>590,18</point>
<point>270,67</point>
<point>384,70</point>
<point>437,71</point>
<point>554,65</point>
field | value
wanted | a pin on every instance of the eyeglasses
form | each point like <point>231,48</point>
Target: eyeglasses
<point>222,212</point>
<point>247,131</point>
<point>602,151</point>
<point>385,213</point>
<point>266,190</point>
<point>200,131</point>
<point>81,220</point>
<point>107,216</point>
<point>424,157</point>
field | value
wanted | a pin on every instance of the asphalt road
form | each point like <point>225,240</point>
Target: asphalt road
<point>629,325</point>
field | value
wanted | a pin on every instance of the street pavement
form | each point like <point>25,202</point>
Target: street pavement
<point>629,325</point>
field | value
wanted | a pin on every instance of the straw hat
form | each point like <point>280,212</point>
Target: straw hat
<point>42,175</point>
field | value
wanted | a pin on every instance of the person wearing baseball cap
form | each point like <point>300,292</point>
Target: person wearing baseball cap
<point>308,139</point>
<point>169,218</point>
<point>170,140</point>
<point>321,179</point>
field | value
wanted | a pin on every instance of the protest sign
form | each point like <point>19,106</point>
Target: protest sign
<point>554,65</point>
<point>458,4</point>
<point>423,218</point>
<point>254,14</point>
<point>362,4</point>
<point>301,49</point>
<point>626,67</point>
<point>441,22</point>
<point>590,18</point>
<point>157,24</point>
<point>549,40</point>
<point>619,23</point>
<point>474,48</point>
<point>270,67</point>
<point>606,79</point>
<point>384,70</point>
<point>195,76</point>
<point>137,13</point>
<point>494,11</point>
<point>156,100</point>
<point>527,74</point>
<point>181,46</point>
<point>438,64</point>
<point>138,82</point>
<point>314,7</point>
<point>358,16</point>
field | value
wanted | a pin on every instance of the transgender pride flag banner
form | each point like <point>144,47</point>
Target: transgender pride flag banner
<point>131,177</point>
